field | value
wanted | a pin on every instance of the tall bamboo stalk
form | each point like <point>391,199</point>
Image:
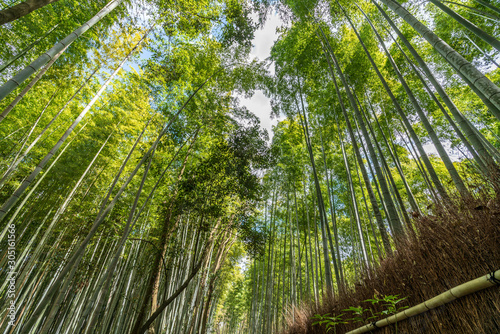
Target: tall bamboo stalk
<point>12,200</point>
<point>24,8</point>
<point>476,78</point>
<point>24,74</point>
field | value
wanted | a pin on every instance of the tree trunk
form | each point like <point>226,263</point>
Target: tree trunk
<point>8,173</point>
<point>457,180</point>
<point>40,135</point>
<point>26,49</point>
<point>485,54</point>
<point>20,190</point>
<point>167,229</point>
<point>32,83</point>
<point>459,117</point>
<point>371,195</point>
<point>391,210</point>
<point>469,25</point>
<point>328,272</point>
<point>22,9</point>
<point>476,78</point>
<point>341,282</point>
<point>423,154</point>
<point>490,6</point>
<point>28,196</point>
<point>24,74</point>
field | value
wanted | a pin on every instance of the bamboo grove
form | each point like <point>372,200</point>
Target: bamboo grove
<point>142,196</point>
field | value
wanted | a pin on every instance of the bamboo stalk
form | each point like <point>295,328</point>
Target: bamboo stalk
<point>29,70</point>
<point>26,49</point>
<point>462,290</point>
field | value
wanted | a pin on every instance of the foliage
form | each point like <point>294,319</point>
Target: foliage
<point>330,322</point>
<point>389,307</point>
<point>169,182</point>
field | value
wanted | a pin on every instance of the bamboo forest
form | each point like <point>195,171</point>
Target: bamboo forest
<point>249,166</point>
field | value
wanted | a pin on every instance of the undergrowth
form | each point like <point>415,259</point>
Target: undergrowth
<point>454,245</point>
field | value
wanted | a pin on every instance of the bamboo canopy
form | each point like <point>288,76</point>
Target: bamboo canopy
<point>462,290</point>
<point>141,191</point>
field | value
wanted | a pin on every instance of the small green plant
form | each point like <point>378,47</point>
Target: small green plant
<point>330,321</point>
<point>389,303</point>
<point>357,313</point>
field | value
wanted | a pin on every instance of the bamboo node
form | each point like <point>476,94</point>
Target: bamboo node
<point>493,279</point>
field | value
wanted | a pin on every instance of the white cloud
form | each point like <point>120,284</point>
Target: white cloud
<point>260,105</point>
<point>265,38</point>
<point>263,41</point>
<point>431,149</point>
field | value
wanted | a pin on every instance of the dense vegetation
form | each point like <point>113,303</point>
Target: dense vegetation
<point>138,194</point>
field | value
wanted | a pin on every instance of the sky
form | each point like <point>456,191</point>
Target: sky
<point>263,41</point>
<point>259,104</point>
